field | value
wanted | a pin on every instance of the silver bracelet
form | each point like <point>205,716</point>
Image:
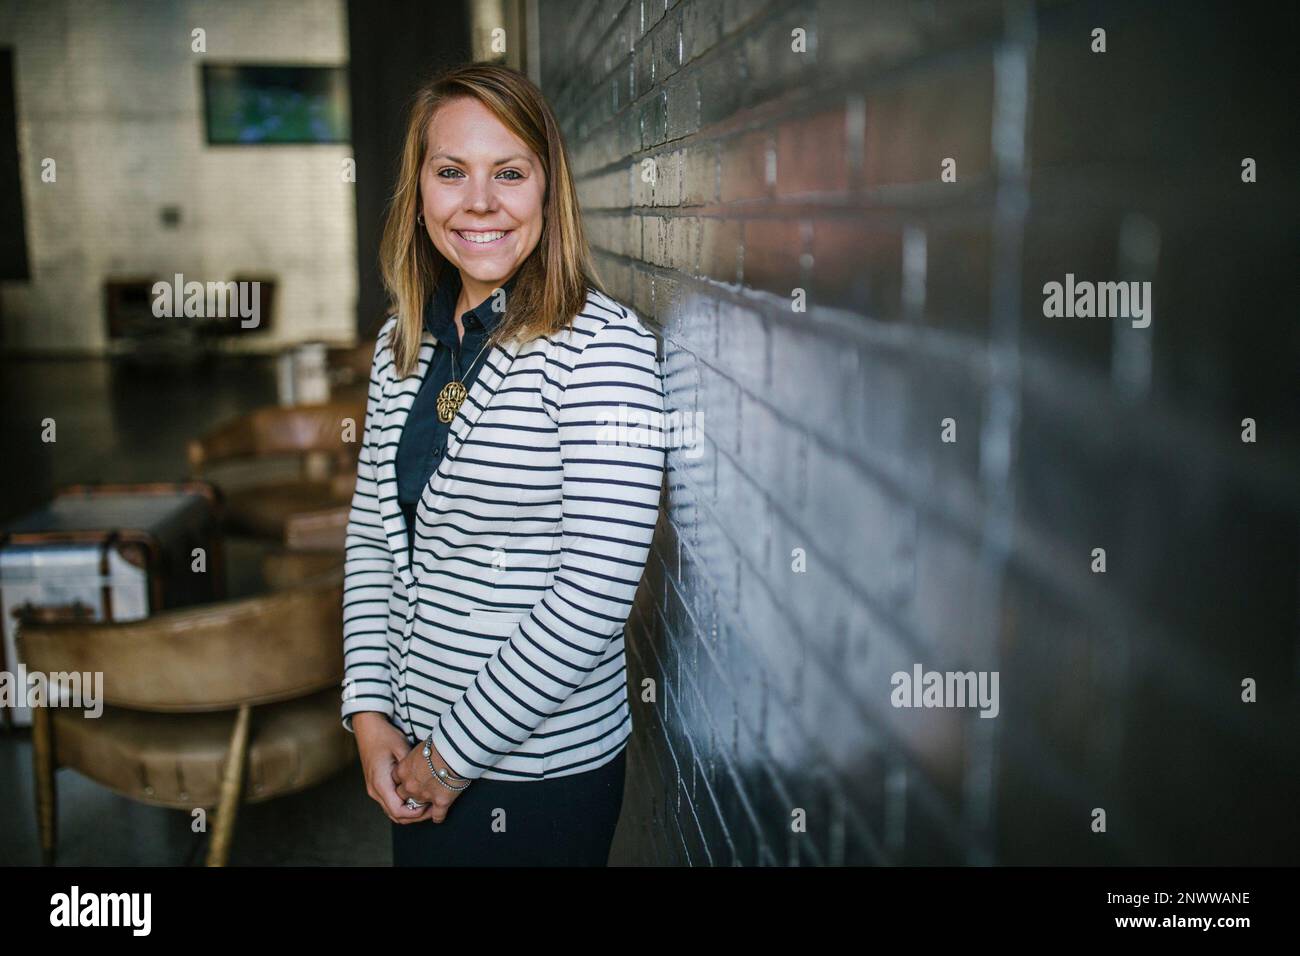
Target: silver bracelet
<point>441,775</point>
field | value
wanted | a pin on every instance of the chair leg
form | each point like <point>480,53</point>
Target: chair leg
<point>6,713</point>
<point>232,786</point>
<point>47,816</point>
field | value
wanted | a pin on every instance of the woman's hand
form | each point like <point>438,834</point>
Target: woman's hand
<point>412,779</point>
<point>381,746</point>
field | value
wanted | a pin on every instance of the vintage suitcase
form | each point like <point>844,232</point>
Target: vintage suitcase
<point>108,552</point>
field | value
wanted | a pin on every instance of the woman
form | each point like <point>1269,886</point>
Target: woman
<point>507,491</point>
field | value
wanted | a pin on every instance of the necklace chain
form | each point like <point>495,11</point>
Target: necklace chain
<point>455,365</point>
<point>453,393</point>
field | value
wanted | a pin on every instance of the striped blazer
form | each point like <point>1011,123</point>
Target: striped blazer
<point>503,635</point>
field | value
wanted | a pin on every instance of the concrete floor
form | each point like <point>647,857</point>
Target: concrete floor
<point>115,424</point>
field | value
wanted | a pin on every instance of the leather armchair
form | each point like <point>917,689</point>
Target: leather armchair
<point>350,370</point>
<point>207,706</point>
<point>315,434</point>
<point>324,530</point>
<point>285,569</point>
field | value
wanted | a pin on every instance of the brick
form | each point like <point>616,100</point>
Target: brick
<point>775,453</point>
<point>776,67</point>
<point>740,507</point>
<point>682,107</point>
<point>857,265</point>
<point>720,249</point>
<point>743,346</point>
<point>690,323</point>
<point>667,186</point>
<point>878,434</point>
<point>718,552</point>
<point>673,242</point>
<point>666,43</point>
<point>877,37</point>
<point>722,76</point>
<point>654,233</point>
<point>652,12</point>
<point>745,163</point>
<point>914,126</point>
<point>816,381</point>
<point>688,492</point>
<point>682,373</point>
<point>654,119</point>
<point>773,256</point>
<point>720,405</point>
<point>695,582</point>
<point>701,28</point>
<point>812,156</point>
<point>699,174</point>
<point>738,13</point>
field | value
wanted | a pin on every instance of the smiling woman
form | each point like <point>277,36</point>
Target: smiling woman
<point>483,215</point>
<point>497,535</point>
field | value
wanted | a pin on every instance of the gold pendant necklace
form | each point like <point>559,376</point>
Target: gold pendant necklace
<point>453,393</point>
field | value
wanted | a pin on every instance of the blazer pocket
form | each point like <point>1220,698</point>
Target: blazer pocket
<point>496,622</point>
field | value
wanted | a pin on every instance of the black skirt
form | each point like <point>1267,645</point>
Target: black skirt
<point>564,821</point>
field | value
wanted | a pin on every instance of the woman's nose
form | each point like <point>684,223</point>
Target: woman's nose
<point>481,197</point>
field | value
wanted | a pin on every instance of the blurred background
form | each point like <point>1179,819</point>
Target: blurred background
<point>905,460</point>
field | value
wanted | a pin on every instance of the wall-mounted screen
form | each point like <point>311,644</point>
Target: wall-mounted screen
<point>264,104</point>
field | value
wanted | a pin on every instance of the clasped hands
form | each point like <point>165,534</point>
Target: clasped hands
<point>395,770</point>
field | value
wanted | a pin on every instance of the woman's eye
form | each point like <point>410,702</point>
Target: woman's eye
<point>515,174</point>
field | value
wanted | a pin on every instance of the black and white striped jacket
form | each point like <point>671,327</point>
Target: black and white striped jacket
<point>504,635</point>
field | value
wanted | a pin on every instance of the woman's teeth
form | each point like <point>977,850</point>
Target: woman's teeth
<point>480,237</point>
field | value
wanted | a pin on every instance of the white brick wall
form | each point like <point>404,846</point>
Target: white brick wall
<point>112,93</point>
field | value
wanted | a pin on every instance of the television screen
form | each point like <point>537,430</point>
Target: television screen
<point>276,104</point>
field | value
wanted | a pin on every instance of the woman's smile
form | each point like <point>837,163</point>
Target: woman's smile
<point>482,239</point>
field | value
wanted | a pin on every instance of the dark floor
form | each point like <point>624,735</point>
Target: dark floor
<point>118,425</point>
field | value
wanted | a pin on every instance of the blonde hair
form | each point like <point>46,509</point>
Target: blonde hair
<point>551,283</point>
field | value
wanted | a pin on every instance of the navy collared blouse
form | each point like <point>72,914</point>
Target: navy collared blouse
<point>424,437</point>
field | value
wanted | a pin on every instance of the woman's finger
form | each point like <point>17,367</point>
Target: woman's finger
<point>395,805</point>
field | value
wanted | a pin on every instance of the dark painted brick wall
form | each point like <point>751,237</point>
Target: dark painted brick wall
<point>777,171</point>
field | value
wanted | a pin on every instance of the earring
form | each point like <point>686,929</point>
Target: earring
<point>419,217</point>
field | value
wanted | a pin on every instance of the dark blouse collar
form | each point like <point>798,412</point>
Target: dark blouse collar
<point>439,309</point>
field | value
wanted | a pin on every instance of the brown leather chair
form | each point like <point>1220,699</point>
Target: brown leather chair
<point>350,370</point>
<point>285,569</point>
<point>205,707</point>
<point>319,530</point>
<point>314,434</point>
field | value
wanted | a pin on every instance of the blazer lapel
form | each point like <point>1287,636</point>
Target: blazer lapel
<point>495,367</point>
<point>489,379</point>
<point>395,415</point>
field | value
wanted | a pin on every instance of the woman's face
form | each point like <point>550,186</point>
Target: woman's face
<point>481,192</point>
